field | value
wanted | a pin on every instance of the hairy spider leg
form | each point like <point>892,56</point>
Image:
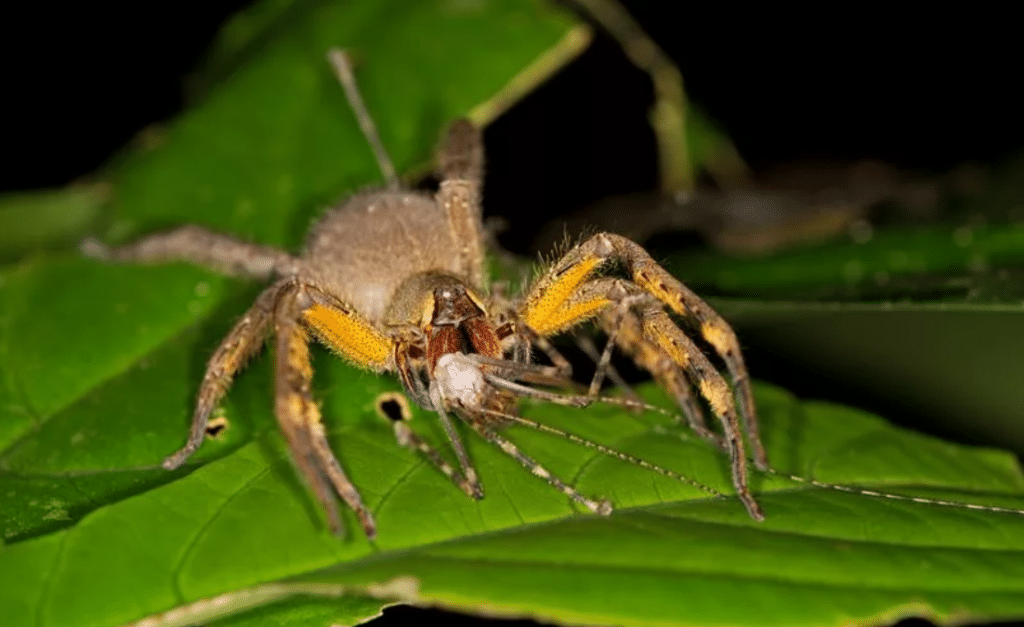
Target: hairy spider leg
<point>630,338</point>
<point>713,328</point>
<point>738,466</point>
<point>561,365</point>
<point>686,354</point>
<point>244,340</point>
<point>615,315</point>
<point>589,348</point>
<point>605,450</point>
<point>565,296</point>
<point>473,487</point>
<point>299,415</point>
<point>461,167</point>
<point>624,329</point>
<point>222,253</point>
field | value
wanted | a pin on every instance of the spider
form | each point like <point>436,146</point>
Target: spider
<point>393,281</point>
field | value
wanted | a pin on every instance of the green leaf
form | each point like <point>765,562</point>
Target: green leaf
<point>49,218</point>
<point>668,555</point>
<point>956,265</point>
<point>99,366</point>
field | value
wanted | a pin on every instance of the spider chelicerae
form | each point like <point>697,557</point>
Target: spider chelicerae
<point>394,281</point>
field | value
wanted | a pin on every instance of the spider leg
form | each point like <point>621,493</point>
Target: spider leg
<point>590,349</point>
<point>456,442</point>
<point>410,377</point>
<point>300,445</point>
<point>630,338</point>
<point>713,328</point>
<point>299,417</point>
<point>241,343</point>
<point>202,247</point>
<point>343,71</point>
<point>478,423</point>
<point>520,340</point>
<point>407,437</point>
<point>565,295</point>
<point>562,366</point>
<point>599,297</point>
<point>686,354</point>
<point>535,374</point>
<point>519,389</point>
<point>461,163</point>
<point>553,305</point>
<point>614,318</point>
<point>466,480</point>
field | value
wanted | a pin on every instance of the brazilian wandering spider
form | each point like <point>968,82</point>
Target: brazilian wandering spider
<point>394,281</point>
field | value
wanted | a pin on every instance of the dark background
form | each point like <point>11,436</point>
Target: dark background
<point>924,91</point>
<point>927,90</point>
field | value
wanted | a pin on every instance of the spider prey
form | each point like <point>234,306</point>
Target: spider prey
<point>394,281</point>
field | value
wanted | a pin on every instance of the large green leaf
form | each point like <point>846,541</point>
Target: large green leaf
<point>965,268</point>
<point>668,555</point>
<point>100,365</point>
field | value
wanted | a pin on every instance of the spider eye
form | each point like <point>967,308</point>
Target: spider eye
<point>452,305</point>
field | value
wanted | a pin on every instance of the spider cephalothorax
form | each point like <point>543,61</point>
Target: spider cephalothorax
<point>393,281</point>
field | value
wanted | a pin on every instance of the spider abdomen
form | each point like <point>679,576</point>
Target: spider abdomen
<point>361,251</point>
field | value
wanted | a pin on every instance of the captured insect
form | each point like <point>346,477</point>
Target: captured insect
<point>394,281</point>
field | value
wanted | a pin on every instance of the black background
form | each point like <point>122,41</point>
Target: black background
<point>925,90</point>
